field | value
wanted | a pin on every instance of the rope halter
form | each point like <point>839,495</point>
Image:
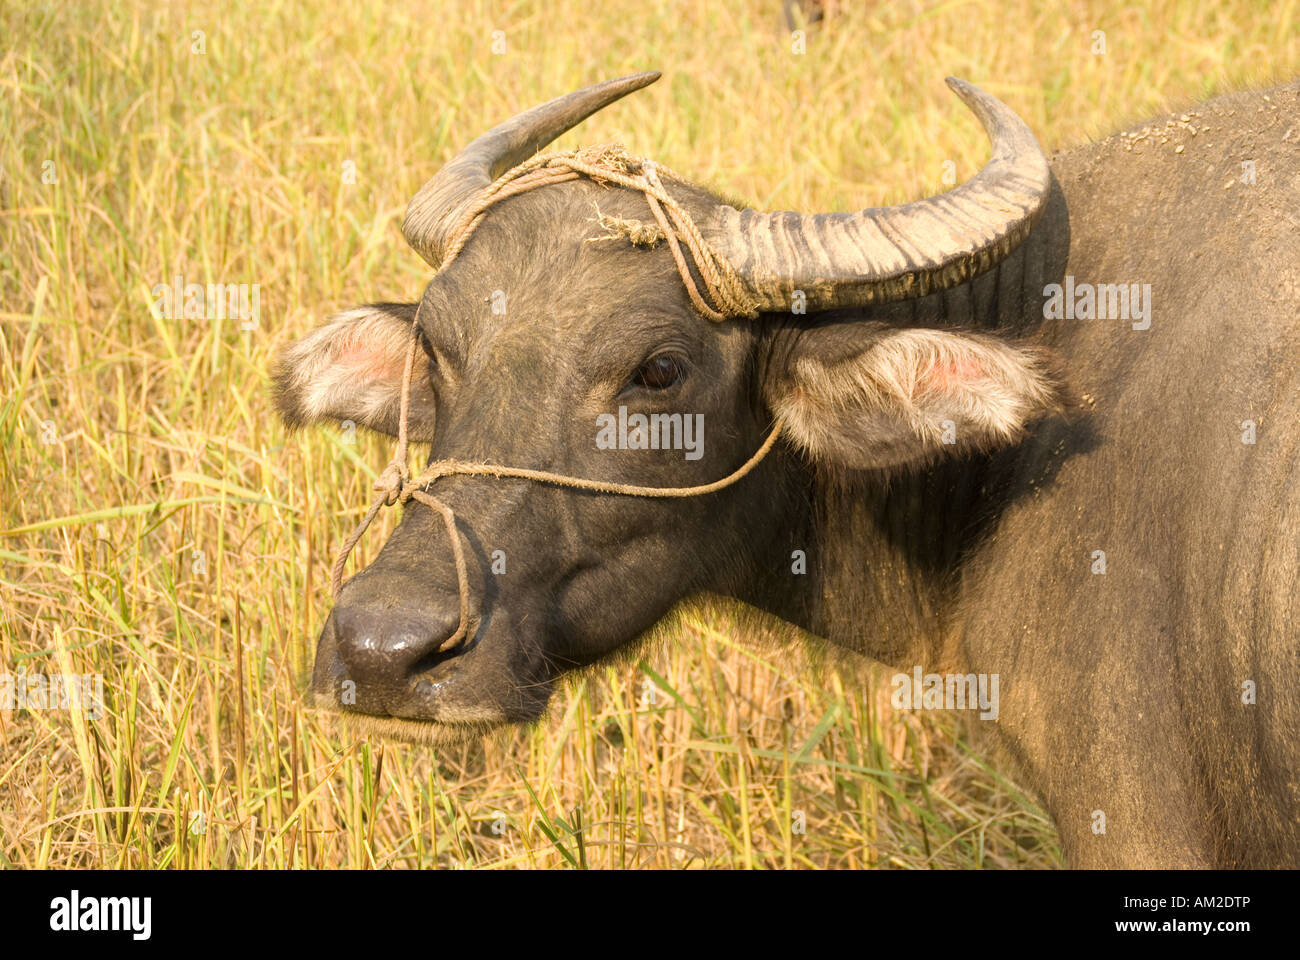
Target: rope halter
<point>727,296</point>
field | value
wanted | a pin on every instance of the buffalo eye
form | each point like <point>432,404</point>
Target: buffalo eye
<point>659,373</point>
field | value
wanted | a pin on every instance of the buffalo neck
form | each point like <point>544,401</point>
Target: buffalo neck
<point>873,562</point>
<point>886,552</point>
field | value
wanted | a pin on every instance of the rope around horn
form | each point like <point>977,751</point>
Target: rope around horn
<point>729,295</point>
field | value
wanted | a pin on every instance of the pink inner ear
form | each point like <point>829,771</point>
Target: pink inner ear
<point>949,376</point>
<point>366,364</point>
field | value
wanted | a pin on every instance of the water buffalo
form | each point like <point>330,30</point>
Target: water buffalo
<point>1033,429</point>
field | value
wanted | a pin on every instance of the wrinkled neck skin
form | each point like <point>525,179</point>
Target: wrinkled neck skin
<point>886,551</point>
<point>883,558</point>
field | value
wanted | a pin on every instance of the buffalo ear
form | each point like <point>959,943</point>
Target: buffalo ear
<point>351,369</point>
<point>863,395</point>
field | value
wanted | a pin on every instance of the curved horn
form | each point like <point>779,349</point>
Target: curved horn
<point>437,207</point>
<point>894,253</point>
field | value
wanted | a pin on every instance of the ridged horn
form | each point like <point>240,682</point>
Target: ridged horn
<point>894,253</point>
<point>436,209</point>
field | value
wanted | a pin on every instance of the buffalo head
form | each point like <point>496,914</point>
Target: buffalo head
<point>549,345</point>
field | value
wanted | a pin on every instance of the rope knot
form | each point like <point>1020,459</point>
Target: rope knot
<point>637,232</point>
<point>392,482</point>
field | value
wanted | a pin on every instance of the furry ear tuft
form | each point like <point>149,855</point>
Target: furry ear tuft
<point>351,369</point>
<point>897,397</point>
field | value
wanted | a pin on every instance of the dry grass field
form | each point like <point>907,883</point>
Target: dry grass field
<point>160,529</point>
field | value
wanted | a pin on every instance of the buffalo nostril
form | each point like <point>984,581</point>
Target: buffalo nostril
<point>388,646</point>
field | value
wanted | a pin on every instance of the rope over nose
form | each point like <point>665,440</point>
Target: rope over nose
<point>729,295</point>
